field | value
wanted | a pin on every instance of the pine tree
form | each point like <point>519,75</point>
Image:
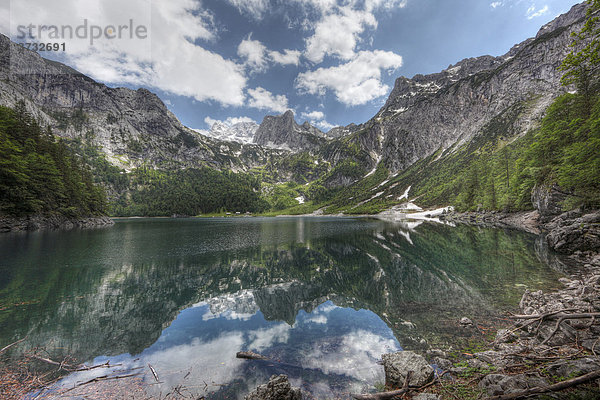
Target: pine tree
<point>582,65</point>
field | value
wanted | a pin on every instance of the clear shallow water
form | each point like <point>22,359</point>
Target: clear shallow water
<point>322,297</point>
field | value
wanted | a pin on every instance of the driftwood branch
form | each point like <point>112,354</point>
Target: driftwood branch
<point>11,345</point>
<point>102,378</point>
<point>557,315</point>
<point>551,388</point>
<point>72,368</point>
<point>105,365</point>
<point>61,365</point>
<point>250,355</point>
<point>153,373</point>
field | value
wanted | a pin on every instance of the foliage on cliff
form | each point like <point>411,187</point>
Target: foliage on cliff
<point>498,170</point>
<point>39,174</point>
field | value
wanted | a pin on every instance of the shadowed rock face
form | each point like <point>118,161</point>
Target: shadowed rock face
<point>132,127</point>
<point>283,132</point>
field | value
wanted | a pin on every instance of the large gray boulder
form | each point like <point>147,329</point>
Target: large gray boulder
<point>548,200</point>
<point>397,365</point>
<point>497,384</point>
<point>278,388</point>
<point>579,234</point>
<point>570,368</point>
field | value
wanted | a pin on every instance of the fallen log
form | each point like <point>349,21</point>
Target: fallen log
<point>551,388</point>
<point>102,378</point>
<point>250,355</point>
<point>61,365</point>
<point>557,315</point>
<point>154,373</point>
<point>11,345</point>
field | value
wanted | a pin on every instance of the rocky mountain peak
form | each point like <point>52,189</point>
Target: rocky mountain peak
<point>241,132</point>
<point>575,15</point>
<point>131,127</point>
<point>443,110</point>
<point>283,132</point>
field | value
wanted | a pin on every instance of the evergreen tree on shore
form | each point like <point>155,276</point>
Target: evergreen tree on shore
<point>39,175</point>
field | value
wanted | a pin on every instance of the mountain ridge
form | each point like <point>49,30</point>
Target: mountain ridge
<point>283,132</point>
<point>426,117</point>
<point>455,104</point>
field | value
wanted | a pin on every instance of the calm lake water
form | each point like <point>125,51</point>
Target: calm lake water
<point>323,297</point>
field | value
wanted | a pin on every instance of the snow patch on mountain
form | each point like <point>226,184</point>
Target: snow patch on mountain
<point>241,132</point>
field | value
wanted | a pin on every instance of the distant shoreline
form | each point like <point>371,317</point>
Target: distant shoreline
<point>33,223</point>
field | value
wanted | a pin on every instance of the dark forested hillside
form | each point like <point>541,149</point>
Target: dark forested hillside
<point>39,175</point>
<point>189,192</point>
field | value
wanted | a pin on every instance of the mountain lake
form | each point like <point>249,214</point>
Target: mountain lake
<point>322,297</point>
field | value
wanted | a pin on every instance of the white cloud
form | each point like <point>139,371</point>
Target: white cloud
<point>288,57</point>
<point>317,118</point>
<point>257,55</point>
<point>354,83</point>
<point>340,27</point>
<point>254,8</point>
<point>325,6</point>
<point>314,115</point>
<point>338,34</point>
<point>387,4</point>
<point>264,100</point>
<point>496,4</point>
<point>261,339</point>
<point>317,319</point>
<point>167,59</point>
<point>532,13</point>
<point>356,356</point>
<point>253,52</point>
<point>324,125</point>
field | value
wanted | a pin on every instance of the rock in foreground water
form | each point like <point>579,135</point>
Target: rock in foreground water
<point>278,388</point>
<point>397,365</point>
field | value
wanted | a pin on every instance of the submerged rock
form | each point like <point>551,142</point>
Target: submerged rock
<point>398,365</point>
<point>278,388</point>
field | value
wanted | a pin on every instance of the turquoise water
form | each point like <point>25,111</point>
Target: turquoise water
<point>323,298</point>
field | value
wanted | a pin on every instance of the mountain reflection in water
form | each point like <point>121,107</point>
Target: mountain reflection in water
<point>323,297</point>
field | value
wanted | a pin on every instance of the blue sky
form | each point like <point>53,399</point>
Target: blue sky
<point>331,61</point>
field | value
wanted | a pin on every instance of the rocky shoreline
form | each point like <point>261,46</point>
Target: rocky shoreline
<point>553,345</point>
<point>555,335</point>
<point>51,222</point>
<point>574,233</point>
